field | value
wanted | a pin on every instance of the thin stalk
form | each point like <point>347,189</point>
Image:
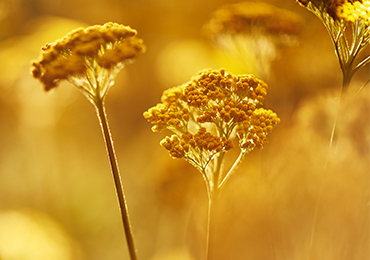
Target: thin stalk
<point>342,94</point>
<point>212,192</point>
<point>212,199</point>
<point>232,169</point>
<point>367,82</point>
<point>116,176</point>
<point>362,64</point>
<point>347,77</point>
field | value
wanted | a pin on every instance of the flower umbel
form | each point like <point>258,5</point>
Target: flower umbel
<point>244,17</point>
<point>253,32</point>
<point>338,16</point>
<point>88,58</point>
<point>208,113</point>
<point>351,12</point>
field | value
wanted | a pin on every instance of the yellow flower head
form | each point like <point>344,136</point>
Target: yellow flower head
<point>321,3</point>
<point>351,12</point>
<point>209,111</point>
<point>245,17</point>
<point>89,58</point>
<point>347,10</point>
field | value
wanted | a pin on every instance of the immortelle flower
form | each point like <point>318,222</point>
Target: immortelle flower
<point>206,115</point>
<point>255,31</point>
<point>90,59</point>
<point>338,16</point>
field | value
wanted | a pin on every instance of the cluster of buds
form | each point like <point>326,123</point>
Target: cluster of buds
<point>353,11</point>
<point>346,10</point>
<point>246,17</point>
<point>337,16</point>
<point>89,58</point>
<point>327,6</point>
<point>209,112</point>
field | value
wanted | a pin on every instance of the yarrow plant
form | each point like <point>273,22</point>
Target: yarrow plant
<point>254,31</point>
<point>206,115</point>
<point>338,16</point>
<point>90,59</point>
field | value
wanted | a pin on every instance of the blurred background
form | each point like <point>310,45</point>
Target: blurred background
<point>295,199</point>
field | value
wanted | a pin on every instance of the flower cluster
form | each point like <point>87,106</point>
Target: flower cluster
<point>347,10</point>
<point>89,58</point>
<point>337,16</point>
<point>327,6</point>
<point>208,112</point>
<point>351,12</point>
<point>252,33</point>
<point>254,133</point>
<point>201,143</point>
<point>245,17</point>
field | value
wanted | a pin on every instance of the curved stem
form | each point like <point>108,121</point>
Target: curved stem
<point>116,176</point>
<point>361,64</point>
<point>232,169</point>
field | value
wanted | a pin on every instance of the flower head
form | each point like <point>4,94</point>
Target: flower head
<point>337,16</point>
<point>246,17</point>
<point>208,112</point>
<point>89,58</point>
<point>353,11</point>
<point>253,33</point>
<point>347,10</point>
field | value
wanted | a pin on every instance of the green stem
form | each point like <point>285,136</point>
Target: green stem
<point>116,176</point>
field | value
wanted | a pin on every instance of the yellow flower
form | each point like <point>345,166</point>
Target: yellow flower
<point>253,33</point>
<point>337,16</point>
<point>351,12</point>
<point>206,115</point>
<point>208,112</point>
<point>347,10</point>
<point>89,58</point>
<point>243,17</point>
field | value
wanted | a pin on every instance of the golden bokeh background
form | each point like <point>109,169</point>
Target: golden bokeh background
<point>295,199</point>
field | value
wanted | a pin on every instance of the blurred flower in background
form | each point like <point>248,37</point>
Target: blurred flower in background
<point>252,33</point>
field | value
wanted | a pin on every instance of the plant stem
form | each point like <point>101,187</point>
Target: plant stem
<point>116,176</point>
<point>212,199</point>
<point>232,169</point>
<point>212,192</point>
